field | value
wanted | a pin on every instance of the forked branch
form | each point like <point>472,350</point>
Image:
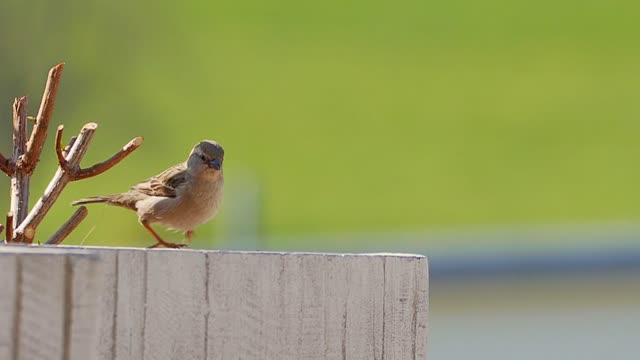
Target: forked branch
<point>21,226</point>
<point>69,170</point>
<point>56,185</point>
<point>67,147</point>
<point>39,132</point>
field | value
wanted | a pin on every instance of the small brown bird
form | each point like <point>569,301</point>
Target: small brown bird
<point>181,197</point>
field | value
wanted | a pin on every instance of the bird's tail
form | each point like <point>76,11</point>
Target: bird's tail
<point>93,200</point>
<point>125,200</point>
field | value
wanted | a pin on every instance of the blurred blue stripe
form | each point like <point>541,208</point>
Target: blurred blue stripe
<point>566,262</point>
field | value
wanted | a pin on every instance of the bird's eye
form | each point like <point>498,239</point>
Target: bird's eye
<point>203,158</point>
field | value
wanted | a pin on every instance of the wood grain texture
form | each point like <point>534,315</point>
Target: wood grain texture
<point>108,285</point>
<point>422,308</point>
<point>304,306</point>
<point>82,302</point>
<point>130,304</point>
<point>8,303</point>
<point>48,303</point>
<point>43,307</point>
<point>402,304</point>
<point>213,305</point>
<point>364,316</point>
<point>174,325</point>
<point>225,302</point>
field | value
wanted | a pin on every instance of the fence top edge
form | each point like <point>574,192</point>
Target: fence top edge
<point>18,249</point>
<point>211,251</point>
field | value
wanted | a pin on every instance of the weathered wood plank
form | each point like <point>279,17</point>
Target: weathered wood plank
<point>310,308</point>
<point>8,303</point>
<point>422,308</point>
<point>402,304</point>
<point>166,304</point>
<point>268,307</point>
<point>304,306</point>
<point>365,301</point>
<point>234,285</point>
<point>83,300</point>
<point>175,314</point>
<point>130,304</point>
<point>47,309</point>
<point>107,316</point>
<point>41,333</point>
<point>336,291</point>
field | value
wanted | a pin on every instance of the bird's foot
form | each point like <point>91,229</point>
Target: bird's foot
<point>188,236</point>
<point>159,240</point>
<point>167,245</point>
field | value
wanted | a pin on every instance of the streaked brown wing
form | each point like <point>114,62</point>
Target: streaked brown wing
<point>165,183</point>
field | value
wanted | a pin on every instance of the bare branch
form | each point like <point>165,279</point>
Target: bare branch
<point>19,178</point>
<point>99,168</point>
<point>9,234</point>
<point>22,224</point>
<point>59,151</point>
<point>57,184</point>
<point>68,226</point>
<point>66,149</point>
<point>5,165</point>
<point>39,132</point>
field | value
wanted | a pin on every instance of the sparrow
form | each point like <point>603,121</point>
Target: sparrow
<point>182,197</point>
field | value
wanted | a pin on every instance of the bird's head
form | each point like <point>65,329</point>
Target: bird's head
<point>207,156</point>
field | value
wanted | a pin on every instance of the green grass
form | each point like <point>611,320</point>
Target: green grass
<point>353,116</point>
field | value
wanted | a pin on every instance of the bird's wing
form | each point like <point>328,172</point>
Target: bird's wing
<point>165,183</point>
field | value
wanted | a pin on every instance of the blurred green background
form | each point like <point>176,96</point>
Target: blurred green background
<point>461,129</point>
<point>346,116</point>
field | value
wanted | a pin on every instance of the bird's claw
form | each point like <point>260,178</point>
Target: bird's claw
<point>167,245</point>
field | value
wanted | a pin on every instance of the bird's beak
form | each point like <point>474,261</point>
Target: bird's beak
<point>216,164</point>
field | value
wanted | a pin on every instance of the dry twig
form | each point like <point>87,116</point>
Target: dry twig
<point>59,149</point>
<point>68,226</point>
<point>19,178</point>
<point>57,184</point>
<point>69,170</point>
<point>39,132</point>
<point>8,235</point>
<point>99,168</point>
<point>5,165</point>
<point>66,149</point>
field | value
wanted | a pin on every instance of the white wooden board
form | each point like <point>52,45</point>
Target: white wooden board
<point>214,305</point>
<point>48,306</point>
<point>218,305</point>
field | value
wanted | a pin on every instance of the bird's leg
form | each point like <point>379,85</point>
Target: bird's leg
<point>159,239</point>
<point>188,235</point>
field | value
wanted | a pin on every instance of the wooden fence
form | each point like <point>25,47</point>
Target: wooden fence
<point>138,304</point>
